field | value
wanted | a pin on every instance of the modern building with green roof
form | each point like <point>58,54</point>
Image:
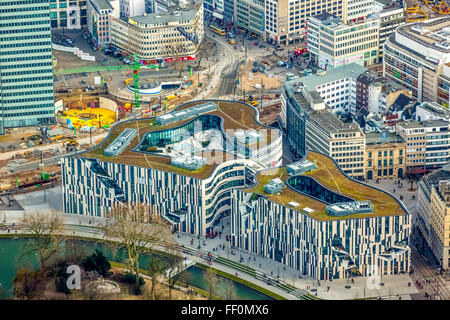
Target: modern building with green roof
<point>184,169</point>
<point>322,223</point>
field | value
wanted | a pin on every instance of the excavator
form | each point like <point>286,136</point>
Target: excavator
<point>412,10</point>
<point>70,144</point>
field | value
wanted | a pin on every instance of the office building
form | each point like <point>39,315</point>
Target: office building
<point>310,125</point>
<point>413,133</point>
<point>415,54</point>
<point>228,10</point>
<point>337,88</point>
<point>100,13</point>
<point>285,21</point>
<point>184,164</point>
<point>66,14</point>
<point>174,35</point>
<point>322,223</point>
<point>333,43</point>
<point>26,71</point>
<point>427,144</point>
<point>433,217</point>
<point>390,15</point>
<point>249,14</point>
<point>385,155</point>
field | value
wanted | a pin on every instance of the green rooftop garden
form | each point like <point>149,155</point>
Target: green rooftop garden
<point>329,175</point>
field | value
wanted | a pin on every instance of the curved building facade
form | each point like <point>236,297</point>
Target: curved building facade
<point>185,170</point>
<point>366,232</point>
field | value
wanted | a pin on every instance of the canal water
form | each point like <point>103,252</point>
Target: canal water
<point>13,256</point>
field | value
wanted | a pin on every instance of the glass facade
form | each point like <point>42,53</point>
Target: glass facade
<point>310,187</point>
<point>26,70</point>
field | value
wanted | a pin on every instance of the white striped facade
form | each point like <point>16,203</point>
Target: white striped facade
<point>293,238</point>
<point>204,201</point>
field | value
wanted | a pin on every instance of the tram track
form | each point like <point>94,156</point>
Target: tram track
<point>422,267</point>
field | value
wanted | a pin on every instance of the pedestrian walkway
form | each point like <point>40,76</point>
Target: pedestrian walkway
<point>254,268</point>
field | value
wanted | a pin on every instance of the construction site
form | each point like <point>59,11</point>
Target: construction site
<point>421,10</point>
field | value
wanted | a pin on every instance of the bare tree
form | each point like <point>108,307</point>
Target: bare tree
<point>211,279</point>
<point>231,294</point>
<point>155,270</point>
<point>46,229</point>
<point>138,229</point>
<point>175,265</point>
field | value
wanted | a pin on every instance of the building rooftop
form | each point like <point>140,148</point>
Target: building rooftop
<point>432,179</point>
<point>335,22</point>
<point>182,14</point>
<point>432,34</point>
<point>402,102</point>
<point>102,4</point>
<point>382,137</point>
<point>435,108</point>
<point>330,176</point>
<point>310,101</point>
<point>350,70</point>
<point>423,124</point>
<point>388,85</point>
<point>234,115</point>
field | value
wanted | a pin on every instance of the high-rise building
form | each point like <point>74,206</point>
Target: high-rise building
<point>26,71</point>
<point>333,43</point>
<point>357,10</point>
<point>415,54</point>
<point>249,14</point>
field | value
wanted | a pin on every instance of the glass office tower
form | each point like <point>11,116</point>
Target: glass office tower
<point>26,73</point>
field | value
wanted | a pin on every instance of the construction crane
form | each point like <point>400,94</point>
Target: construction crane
<point>136,66</point>
<point>102,67</point>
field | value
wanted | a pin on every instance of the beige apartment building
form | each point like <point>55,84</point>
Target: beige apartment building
<point>177,34</point>
<point>440,222</point>
<point>414,135</point>
<point>333,43</point>
<point>385,155</point>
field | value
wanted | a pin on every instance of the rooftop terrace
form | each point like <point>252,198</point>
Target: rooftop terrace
<point>329,176</point>
<point>235,116</point>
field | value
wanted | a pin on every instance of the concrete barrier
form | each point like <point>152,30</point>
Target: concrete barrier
<point>76,51</point>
